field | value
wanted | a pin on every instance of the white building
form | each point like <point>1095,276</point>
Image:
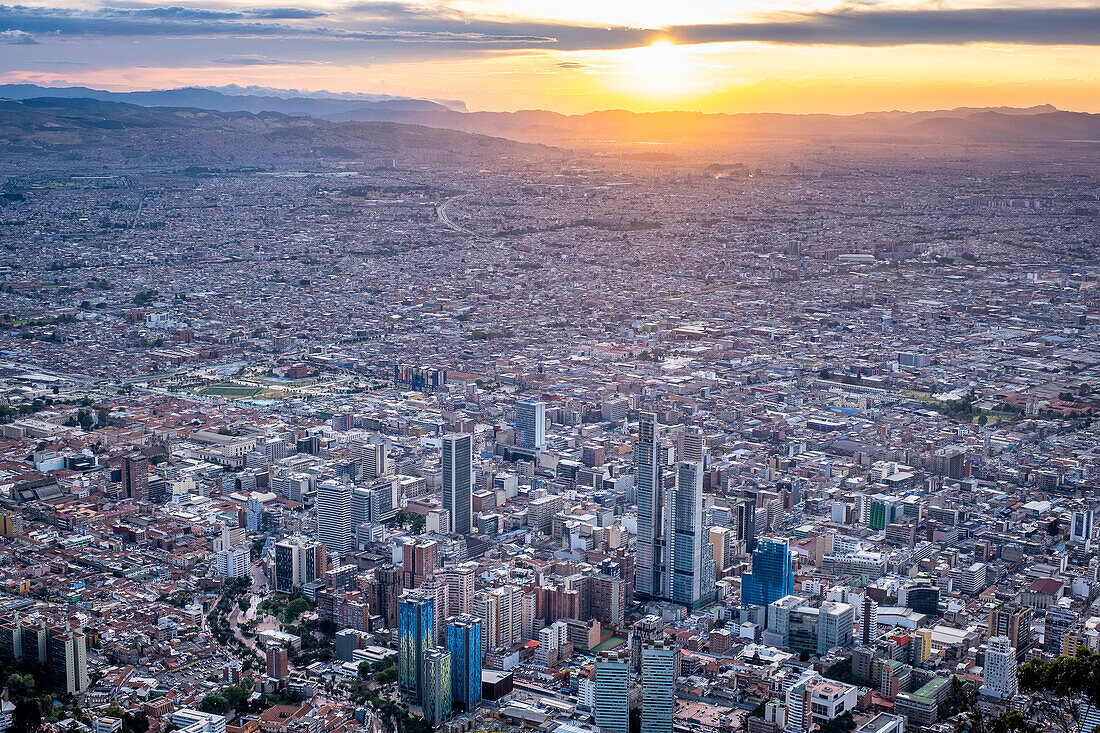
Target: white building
<point>1000,668</point>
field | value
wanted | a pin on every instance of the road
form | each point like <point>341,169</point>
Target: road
<point>446,220</point>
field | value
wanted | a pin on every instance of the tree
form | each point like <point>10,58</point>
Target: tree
<point>840,724</point>
<point>962,699</point>
<point>214,704</point>
<point>28,716</point>
<point>1066,689</point>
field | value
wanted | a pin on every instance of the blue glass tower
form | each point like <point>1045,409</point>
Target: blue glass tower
<point>464,644</point>
<point>416,621</point>
<point>772,575</point>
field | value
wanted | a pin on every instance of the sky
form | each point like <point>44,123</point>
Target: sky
<point>575,56</point>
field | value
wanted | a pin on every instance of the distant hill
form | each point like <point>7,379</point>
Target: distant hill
<point>1042,123</point>
<point>81,134</point>
<point>1035,124</point>
<point>231,100</point>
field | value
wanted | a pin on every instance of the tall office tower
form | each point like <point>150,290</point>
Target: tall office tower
<point>135,477</point>
<point>834,625</point>
<point>384,498</point>
<point>691,445</point>
<point>418,560</point>
<point>658,678</point>
<point>386,592</point>
<point>868,620</point>
<point>334,527</point>
<point>648,629</point>
<point>437,589</point>
<point>370,459</point>
<point>460,586</point>
<point>437,697</point>
<point>416,611</point>
<point>1083,526</point>
<point>458,461</point>
<point>772,575</point>
<point>612,707</point>
<point>1000,668</point>
<point>278,662</point>
<point>650,573</point>
<point>531,426</point>
<point>692,557</point>
<point>1014,621</point>
<point>464,644</point>
<point>361,501</point>
<point>743,520</point>
<point>297,562</point>
<point>68,660</point>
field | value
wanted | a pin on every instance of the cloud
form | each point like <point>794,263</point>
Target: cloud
<point>255,59</point>
<point>571,65</point>
<point>17,37</point>
<point>1058,26</point>
<point>444,28</point>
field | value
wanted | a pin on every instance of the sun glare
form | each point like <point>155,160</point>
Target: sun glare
<point>661,70</point>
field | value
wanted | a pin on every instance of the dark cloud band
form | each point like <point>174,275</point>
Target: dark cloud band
<point>395,22</point>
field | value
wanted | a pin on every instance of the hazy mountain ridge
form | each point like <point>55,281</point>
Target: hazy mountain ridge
<point>45,133</point>
<point>228,99</point>
<point>1037,124</point>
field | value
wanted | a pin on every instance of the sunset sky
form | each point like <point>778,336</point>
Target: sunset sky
<point>576,56</point>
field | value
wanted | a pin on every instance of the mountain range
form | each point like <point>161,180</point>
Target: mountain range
<point>238,99</point>
<point>82,134</point>
<point>332,117</point>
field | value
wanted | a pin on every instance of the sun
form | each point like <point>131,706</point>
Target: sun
<point>662,70</point>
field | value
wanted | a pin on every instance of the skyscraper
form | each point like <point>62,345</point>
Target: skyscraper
<point>658,677</point>
<point>458,461</point>
<point>772,575</point>
<point>416,618</point>
<point>464,644</point>
<point>297,562</point>
<point>1014,621</point>
<point>135,477</point>
<point>1000,668</point>
<point>649,577</point>
<point>531,426</point>
<point>868,620</point>
<point>501,610</point>
<point>436,698</point>
<point>68,660</point>
<point>612,708</point>
<point>334,527</point>
<point>692,557</point>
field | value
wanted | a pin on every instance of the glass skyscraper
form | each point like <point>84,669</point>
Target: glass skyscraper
<point>692,556</point>
<point>649,575</point>
<point>416,619</point>
<point>436,700</point>
<point>772,575</point>
<point>464,644</point>
<point>612,708</point>
<point>531,425</point>
<point>658,677</point>
<point>458,458</point>
<point>334,517</point>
